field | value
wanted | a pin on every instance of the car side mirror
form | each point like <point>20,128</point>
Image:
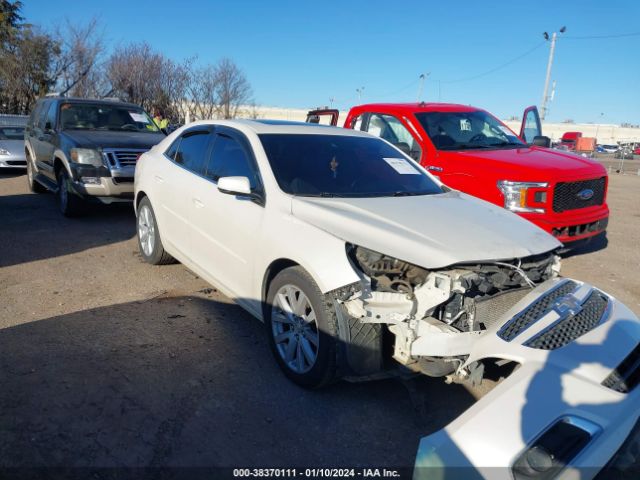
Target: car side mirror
<point>541,141</point>
<point>234,186</point>
<point>47,127</point>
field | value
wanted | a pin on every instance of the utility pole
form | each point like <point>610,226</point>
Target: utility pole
<point>545,97</point>
<point>331,100</point>
<point>421,85</point>
<point>359,90</point>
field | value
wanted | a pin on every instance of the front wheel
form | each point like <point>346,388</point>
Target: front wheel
<point>71,204</point>
<point>302,329</point>
<point>149,241</point>
<point>34,186</point>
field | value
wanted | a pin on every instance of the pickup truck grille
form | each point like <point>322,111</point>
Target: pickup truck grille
<point>574,195</point>
<point>122,158</point>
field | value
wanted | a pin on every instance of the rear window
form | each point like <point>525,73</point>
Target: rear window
<point>11,133</point>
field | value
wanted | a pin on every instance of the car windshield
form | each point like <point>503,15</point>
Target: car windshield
<point>467,130</point>
<point>343,166</point>
<point>92,116</point>
<point>11,133</point>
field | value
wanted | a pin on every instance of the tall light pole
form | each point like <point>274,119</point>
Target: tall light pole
<point>421,84</point>
<point>545,96</point>
<point>598,125</point>
<point>359,90</point>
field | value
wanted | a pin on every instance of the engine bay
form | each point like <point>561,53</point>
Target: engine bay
<point>436,315</point>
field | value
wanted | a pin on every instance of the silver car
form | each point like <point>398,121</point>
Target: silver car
<point>12,147</point>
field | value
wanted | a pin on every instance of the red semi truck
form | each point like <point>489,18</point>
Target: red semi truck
<point>472,151</point>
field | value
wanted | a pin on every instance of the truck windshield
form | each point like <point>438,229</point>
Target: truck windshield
<point>467,130</point>
<point>93,116</point>
<point>343,166</point>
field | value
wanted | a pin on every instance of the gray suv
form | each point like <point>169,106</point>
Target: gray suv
<point>86,150</point>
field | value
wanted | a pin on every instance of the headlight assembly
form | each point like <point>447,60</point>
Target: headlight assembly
<point>86,156</point>
<point>524,197</point>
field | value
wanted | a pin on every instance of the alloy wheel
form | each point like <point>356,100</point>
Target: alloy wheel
<point>295,329</point>
<point>146,230</point>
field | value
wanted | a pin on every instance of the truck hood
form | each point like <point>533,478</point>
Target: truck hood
<point>112,139</point>
<point>432,231</point>
<point>535,161</point>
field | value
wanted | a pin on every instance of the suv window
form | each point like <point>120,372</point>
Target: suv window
<point>190,153</point>
<point>229,158</point>
<point>35,114</point>
<point>42,115</point>
<point>51,116</point>
<point>392,130</point>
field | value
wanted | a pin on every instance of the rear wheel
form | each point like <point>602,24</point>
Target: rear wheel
<point>302,329</point>
<point>71,204</point>
<point>34,186</point>
<point>149,241</point>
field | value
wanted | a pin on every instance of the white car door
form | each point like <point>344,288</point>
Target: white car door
<point>173,179</point>
<point>227,227</point>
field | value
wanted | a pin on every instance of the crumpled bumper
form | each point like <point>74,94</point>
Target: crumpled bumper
<point>567,381</point>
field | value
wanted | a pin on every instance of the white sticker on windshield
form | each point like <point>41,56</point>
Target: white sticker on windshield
<point>465,125</point>
<point>401,166</point>
<point>139,117</point>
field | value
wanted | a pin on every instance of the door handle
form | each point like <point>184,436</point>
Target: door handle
<point>197,203</point>
<point>433,168</point>
<point>159,179</point>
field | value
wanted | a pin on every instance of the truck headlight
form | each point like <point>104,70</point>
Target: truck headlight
<point>86,156</point>
<point>522,197</point>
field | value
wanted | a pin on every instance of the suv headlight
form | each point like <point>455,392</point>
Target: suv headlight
<point>4,152</point>
<point>524,197</point>
<point>86,156</point>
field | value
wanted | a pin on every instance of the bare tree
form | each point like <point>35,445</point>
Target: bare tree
<point>77,66</point>
<point>135,73</point>
<point>232,88</point>
<point>203,90</point>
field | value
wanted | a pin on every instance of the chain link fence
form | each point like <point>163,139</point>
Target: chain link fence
<point>13,120</point>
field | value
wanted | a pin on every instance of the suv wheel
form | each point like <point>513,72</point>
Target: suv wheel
<point>149,241</point>
<point>34,186</point>
<point>302,329</point>
<point>70,203</point>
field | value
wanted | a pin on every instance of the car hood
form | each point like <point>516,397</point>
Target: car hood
<point>15,147</point>
<point>534,161</point>
<point>431,231</point>
<point>111,139</point>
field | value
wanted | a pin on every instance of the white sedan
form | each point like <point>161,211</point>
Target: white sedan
<point>348,250</point>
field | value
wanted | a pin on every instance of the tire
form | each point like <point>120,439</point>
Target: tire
<point>305,340</point>
<point>69,202</point>
<point>149,241</point>
<point>34,186</point>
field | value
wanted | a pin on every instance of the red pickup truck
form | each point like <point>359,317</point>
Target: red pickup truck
<point>471,150</point>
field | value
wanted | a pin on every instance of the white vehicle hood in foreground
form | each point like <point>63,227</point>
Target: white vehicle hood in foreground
<point>431,231</point>
<point>568,381</point>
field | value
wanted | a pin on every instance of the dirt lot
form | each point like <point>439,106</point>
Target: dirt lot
<point>107,361</point>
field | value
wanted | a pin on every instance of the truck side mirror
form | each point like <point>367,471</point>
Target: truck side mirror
<point>541,141</point>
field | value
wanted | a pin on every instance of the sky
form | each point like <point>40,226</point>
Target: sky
<point>301,54</point>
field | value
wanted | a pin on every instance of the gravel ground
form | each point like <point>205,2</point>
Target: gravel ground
<point>107,362</point>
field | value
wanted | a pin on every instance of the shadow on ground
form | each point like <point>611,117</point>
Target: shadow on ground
<point>34,229</point>
<point>190,381</point>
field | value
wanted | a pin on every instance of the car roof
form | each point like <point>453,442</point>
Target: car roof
<point>266,126</point>
<point>415,107</point>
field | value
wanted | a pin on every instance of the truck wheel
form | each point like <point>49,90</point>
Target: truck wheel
<point>302,329</point>
<point>149,241</point>
<point>70,203</point>
<point>34,186</point>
